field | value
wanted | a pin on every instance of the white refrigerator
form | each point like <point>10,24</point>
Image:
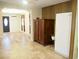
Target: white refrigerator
<point>62,33</point>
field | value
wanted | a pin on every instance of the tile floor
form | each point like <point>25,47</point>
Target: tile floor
<point>19,46</point>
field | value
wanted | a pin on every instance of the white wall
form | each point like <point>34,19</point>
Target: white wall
<point>62,33</point>
<point>1,24</point>
<point>27,23</point>
<point>36,12</point>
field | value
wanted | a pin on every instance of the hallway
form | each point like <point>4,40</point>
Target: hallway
<point>19,46</point>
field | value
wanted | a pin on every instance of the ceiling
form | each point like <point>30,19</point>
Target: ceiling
<point>33,3</point>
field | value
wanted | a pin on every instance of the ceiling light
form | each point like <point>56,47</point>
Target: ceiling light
<point>25,2</point>
<point>15,11</point>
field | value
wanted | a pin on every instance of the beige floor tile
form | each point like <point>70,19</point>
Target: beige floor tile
<point>19,46</point>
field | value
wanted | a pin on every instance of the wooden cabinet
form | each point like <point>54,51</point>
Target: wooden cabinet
<point>43,30</point>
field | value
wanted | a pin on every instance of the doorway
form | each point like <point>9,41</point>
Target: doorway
<point>6,24</point>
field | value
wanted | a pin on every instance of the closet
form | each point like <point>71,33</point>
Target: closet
<point>43,30</point>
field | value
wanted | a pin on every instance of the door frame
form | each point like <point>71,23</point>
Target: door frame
<point>74,11</point>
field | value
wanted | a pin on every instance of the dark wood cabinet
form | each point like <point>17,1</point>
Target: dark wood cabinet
<point>43,30</point>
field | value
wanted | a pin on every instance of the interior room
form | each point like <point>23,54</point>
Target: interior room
<point>38,29</point>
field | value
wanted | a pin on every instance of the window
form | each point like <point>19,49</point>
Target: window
<point>5,22</point>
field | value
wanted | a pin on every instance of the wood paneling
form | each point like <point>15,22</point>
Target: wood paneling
<point>50,12</point>
<point>46,14</point>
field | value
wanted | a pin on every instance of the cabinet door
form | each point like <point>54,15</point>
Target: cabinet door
<point>36,31</point>
<point>49,31</point>
<point>41,31</point>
